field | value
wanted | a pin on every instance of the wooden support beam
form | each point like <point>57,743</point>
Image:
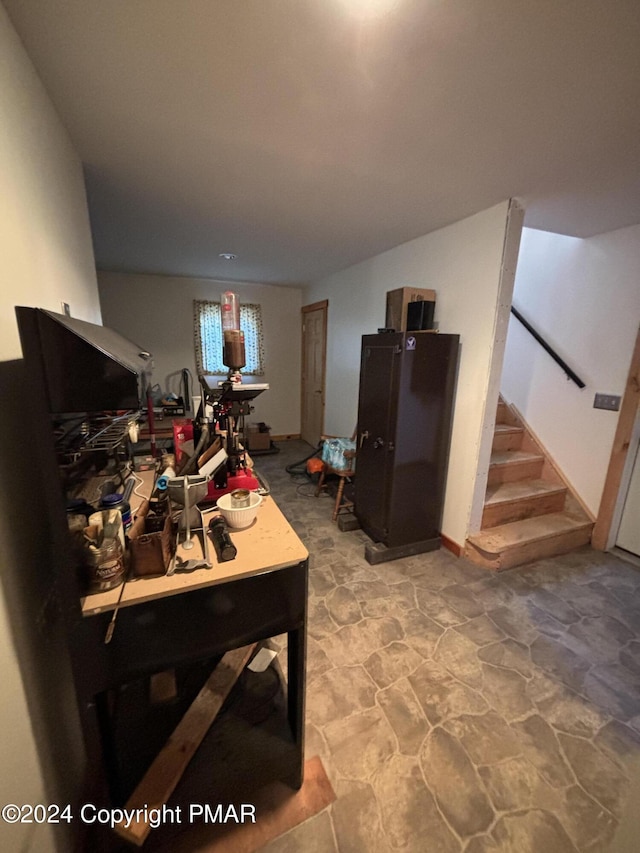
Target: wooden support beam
<point>626,419</point>
<point>166,770</point>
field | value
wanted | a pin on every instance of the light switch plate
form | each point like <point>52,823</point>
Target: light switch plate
<point>611,402</point>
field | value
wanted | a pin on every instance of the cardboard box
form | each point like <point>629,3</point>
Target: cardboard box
<point>152,543</point>
<point>397,302</point>
<point>259,440</point>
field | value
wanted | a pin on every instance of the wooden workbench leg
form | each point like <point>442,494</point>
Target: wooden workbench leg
<point>109,750</point>
<point>103,778</point>
<point>296,689</point>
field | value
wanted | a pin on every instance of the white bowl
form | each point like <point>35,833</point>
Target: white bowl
<point>239,517</point>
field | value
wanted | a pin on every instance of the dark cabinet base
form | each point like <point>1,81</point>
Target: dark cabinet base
<point>377,552</point>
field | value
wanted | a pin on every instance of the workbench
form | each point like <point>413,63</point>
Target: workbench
<point>80,374</point>
<point>170,621</point>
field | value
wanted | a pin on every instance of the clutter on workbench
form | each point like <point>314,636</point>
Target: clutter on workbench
<point>225,549</point>
<point>105,542</point>
<point>152,543</point>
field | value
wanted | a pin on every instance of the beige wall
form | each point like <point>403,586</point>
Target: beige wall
<point>45,246</point>
<point>463,264</point>
<point>157,312</point>
<point>583,296</point>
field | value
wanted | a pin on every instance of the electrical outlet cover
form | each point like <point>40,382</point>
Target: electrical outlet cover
<point>610,402</point>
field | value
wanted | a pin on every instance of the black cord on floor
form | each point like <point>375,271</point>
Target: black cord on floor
<point>301,466</point>
<point>300,490</point>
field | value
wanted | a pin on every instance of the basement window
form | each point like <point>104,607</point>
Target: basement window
<point>209,343</point>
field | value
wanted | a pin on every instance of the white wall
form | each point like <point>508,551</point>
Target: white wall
<point>157,312</point>
<point>583,296</point>
<point>462,263</point>
<point>45,246</point>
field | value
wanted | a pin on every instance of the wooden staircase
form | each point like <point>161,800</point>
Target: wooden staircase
<point>529,510</point>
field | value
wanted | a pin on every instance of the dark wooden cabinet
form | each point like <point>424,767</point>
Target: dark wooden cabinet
<point>405,409</point>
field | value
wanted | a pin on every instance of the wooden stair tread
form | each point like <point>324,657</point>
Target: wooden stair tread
<point>503,429</point>
<point>513,457</point>
<point>504,415</point>
<point>504,537</point>
<point>518,490</point>
<point>525,518</point>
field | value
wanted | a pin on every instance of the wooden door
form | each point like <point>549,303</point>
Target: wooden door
<point>314,355</point>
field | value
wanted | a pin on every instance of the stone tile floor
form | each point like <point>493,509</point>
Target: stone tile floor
<point>459,710</point>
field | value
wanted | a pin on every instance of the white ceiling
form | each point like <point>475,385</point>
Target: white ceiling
<point>307,135</point>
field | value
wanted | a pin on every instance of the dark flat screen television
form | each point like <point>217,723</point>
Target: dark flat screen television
<point>85,367</point>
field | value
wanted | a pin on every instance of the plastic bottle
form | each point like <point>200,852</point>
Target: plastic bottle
<point>116,501</point>
<point>106,569</point>
<point>234,352</point>
<point>163,480</point>
<point>230,307</point>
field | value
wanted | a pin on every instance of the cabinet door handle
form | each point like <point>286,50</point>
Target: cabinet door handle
<point>363,435</point>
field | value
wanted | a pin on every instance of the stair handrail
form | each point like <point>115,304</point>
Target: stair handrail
<point>554,355</point>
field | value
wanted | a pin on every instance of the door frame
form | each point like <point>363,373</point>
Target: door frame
<point>315,306</point>
<point>633,455</point>
<point>624,448</point>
